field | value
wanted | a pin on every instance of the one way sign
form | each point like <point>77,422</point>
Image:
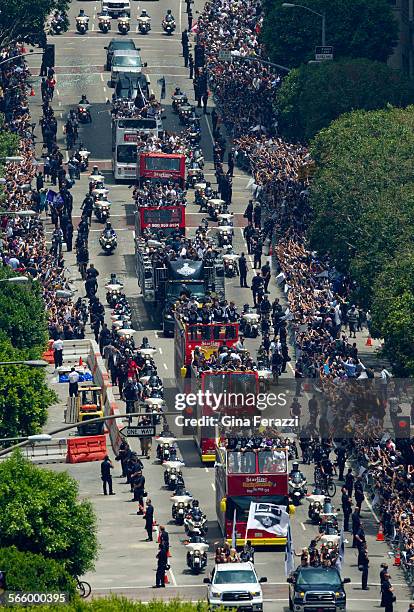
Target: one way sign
<point>138,432</point>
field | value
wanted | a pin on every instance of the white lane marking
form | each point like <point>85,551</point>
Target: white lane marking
<point>57,91</point>
<point>104,89</point>
<point>209,129</point>
<point>213,486</point>
<point>160,350</point>
<point>173,577</point>
<point>303,526</point>
<point>165,366</point>
<point>59,103</point>
<point>67,158</point>
<point>61,115</point>
<point>102,77</point>
<point>93,25</point>
<point>206,469</point>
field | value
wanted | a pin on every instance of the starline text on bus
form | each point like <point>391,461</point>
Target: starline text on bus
<point>226,420</point>
<point>218,401</point>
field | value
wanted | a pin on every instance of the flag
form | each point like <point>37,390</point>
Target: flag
<point>289,554</point>
<point>233,534</point>
<point>266,517</point>
<point>161,83</point>
<point>341,549</point>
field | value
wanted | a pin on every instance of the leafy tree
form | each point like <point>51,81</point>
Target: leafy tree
<point>22,313</point>
<point>40,513</point>
<point>355,28</point>
<point>29,572</point>
<point>313,95</point>
<point>363,191</point>
<point>24,20</point>
<point>393,311</point>
<point>24,395</point>
<point>9,142</point>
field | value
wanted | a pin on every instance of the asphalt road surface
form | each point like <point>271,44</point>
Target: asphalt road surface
<point>126,562</point>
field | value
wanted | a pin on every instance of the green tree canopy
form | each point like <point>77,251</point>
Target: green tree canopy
<point>29,572</point>
<point>393,311</point>
<point>24,20</point>
<point>40,513</point>
<point>363,191</point>
<point>22,313</point>
<point>9,142</point>
<point>24,395</point>
<point>313,95</point>
<point>355,28</point>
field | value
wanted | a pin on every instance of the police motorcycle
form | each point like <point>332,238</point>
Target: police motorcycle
<point>124,24</point>
<point>104,22</point>
<point>197,547</point>
<point>173,476</point>
<point>179,98</point>
<point>166,450</point>
<point>102,208</point>
<point>185,113</point>
<point>168,23</point>
<point>203,192</point>
<point>215,206</point>
<point>108,240</point>
<point>114,291</point>
<point>330,531</point>
<point>194,175</point>
<point>225,228</point>
<point>249,322</point>
<point>181,504</point>
<point>96,176</point>
<point>230,260</point>
<point>194,130</point>
<point>297,484</point>
<point>202,230</point>
<point>82,22</point>
<point>328,513</point>
<point>316,501</point>
<point>144,22</point>
<point>195,523</point>
<point>57,23</point>
<point>83,157</point>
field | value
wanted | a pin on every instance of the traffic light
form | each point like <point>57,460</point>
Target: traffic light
<point>49,56</point>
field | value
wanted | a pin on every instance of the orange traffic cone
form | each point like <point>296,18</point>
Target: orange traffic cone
<point>159,538</point>
<point>24,50</point>
<point>380,534</point>
<point>32,93</point>
<point>397,558</point>
<point>80,361</point>
<point>369,341</point>
<point>166,581</point>
<point>169,553</point>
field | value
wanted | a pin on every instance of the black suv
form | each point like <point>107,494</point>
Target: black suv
<point>317,589</point>
<point>118,44</point>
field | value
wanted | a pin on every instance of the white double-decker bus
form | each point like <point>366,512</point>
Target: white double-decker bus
<point>125,132</point>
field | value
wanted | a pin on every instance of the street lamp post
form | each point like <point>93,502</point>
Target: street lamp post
<point>30,363</point>
<point>306,8</point>
<point>16,280</point>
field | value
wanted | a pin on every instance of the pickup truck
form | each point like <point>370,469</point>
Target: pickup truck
<point>116,8</point>
<point>235,585</point>
<point>317,589</point>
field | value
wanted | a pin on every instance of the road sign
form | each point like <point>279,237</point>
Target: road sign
<point>133,431</point>
<point>323,53</point>
<point>224,55</point>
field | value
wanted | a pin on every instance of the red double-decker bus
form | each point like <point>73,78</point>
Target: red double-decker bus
<point>232,386</point>
<point>161,167</point>
<point>250,476</point>
<point>166,218</point>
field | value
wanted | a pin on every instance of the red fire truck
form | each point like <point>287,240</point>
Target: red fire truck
<point>161,167</point>
<point>251,476</point>
<point>234,386</point>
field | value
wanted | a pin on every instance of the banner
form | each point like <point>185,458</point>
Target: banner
<point>289,554</point>
<point>268,517</point>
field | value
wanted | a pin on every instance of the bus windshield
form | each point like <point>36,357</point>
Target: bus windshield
<point>273,462</point>
<point>162,163</point>
<point>126,154</point>
<point>127,61</point>
<point>241,463</point>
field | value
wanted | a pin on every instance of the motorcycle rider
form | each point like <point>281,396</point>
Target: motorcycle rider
<point>84,102</point>
<point>169,17</point>
<point>144,18</point>
<point>109,230</point>
<point>82,17</point>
